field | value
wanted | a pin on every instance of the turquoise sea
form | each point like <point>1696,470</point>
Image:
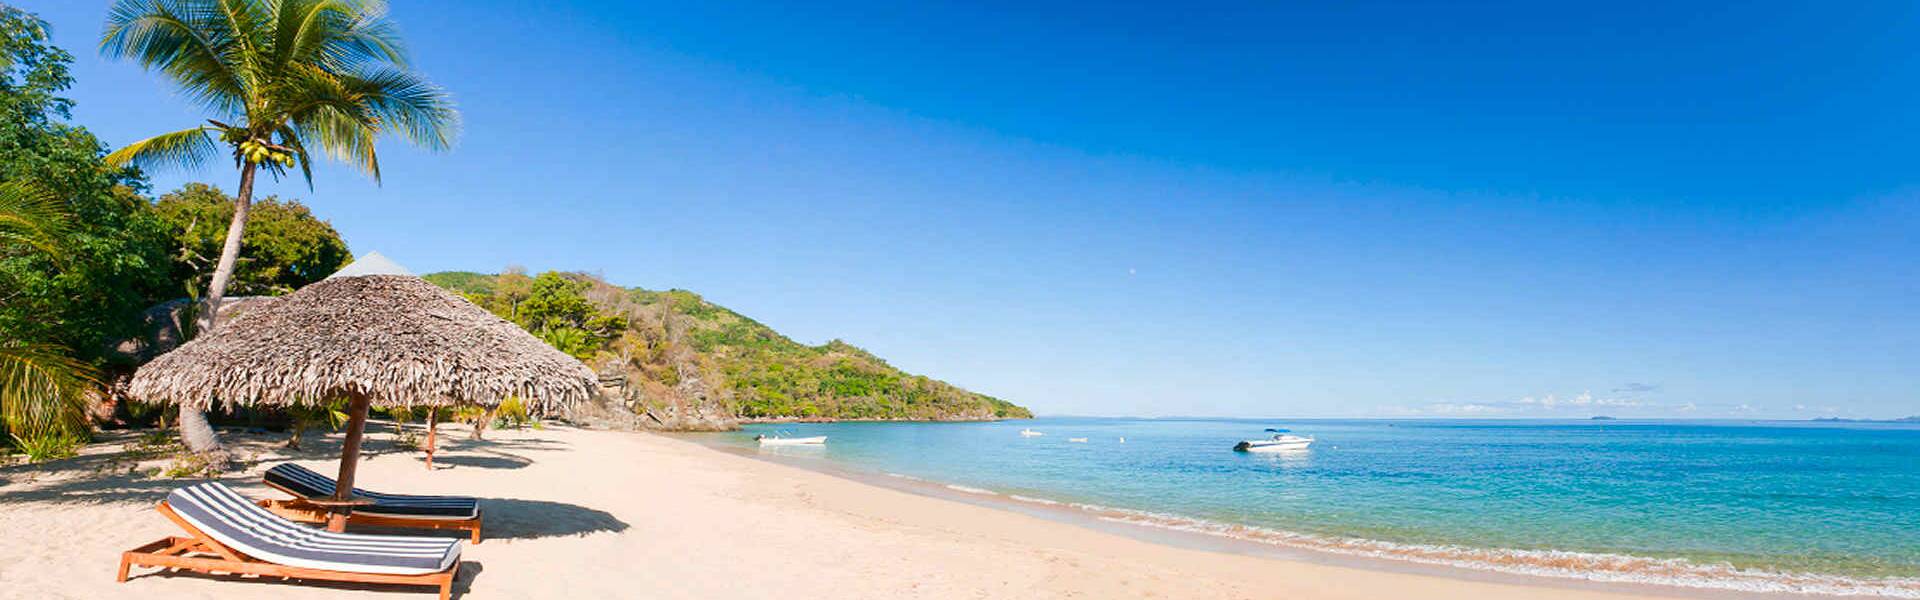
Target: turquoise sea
<point>1757,506</point>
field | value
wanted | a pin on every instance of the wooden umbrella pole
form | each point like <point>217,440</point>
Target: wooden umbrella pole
<point>431,426</point>
<point>349,461</point>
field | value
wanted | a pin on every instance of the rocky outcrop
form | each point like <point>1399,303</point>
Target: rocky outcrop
<point>687,406</point>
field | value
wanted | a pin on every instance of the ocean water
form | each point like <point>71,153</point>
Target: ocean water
<point>1758,506</point>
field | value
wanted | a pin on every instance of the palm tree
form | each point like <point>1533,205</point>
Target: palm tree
<point>42,389</point>
<point>279,77</point>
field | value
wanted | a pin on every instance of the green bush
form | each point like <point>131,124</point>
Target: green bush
<point>49,446</point>
<point>511,413</point>
<point>188,464</point>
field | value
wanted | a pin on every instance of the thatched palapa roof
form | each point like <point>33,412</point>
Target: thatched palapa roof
<point>393,337</point>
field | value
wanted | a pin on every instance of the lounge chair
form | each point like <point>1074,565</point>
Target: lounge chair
<point>228,534</point>
<point>387,510</point>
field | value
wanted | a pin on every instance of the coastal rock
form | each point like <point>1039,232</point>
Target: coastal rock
<point>632,402</point>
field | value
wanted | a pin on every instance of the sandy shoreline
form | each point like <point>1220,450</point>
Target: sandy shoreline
<point>590,514</point>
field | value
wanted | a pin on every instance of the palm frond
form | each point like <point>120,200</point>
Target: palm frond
<point>344,135</point>
<point>369,38</point>
<point>339,35</point>
<point>187,148</point>
<point>290,138</point>
<point>299,27</point>
<point>407,104</point>
<point>31,216</point>
<point>178,38</point>
<point>325,111</point>
<point>248,23</point>
<point>42,390</point>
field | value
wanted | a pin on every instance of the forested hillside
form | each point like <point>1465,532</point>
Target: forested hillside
<point>691,364</point>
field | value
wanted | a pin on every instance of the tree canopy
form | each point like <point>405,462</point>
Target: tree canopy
<point>112,261</point>
<point>284,247</point>
<point>553,307</point>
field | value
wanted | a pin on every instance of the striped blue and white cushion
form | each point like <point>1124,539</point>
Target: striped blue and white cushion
<point>230,519</point>
<point>306,483</point>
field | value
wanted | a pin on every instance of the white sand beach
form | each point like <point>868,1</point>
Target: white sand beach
<point>592,514</point>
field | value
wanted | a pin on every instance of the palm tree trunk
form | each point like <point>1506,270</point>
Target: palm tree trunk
<point>195,432</point>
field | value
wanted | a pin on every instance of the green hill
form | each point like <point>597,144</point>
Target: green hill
<point>685,363</point>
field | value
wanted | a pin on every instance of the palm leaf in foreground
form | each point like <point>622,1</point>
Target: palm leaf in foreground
<point>30,216</point>
<point>185,148</point>
<point>42,390</point>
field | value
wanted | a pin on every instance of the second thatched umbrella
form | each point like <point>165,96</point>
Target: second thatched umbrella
<point>372,334</point>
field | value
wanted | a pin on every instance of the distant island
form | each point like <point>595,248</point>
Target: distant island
<point>1912,419</point>
<point>683,363</point>
<point>1603,418</point>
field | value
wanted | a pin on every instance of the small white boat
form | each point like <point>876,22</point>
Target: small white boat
<point>787,441</point>
<point>1280,442</point>
<point>1077,440</point>
<point>1029,433</point>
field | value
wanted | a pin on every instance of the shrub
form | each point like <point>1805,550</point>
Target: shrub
<point>512,413</point>
<point>188,464</point>
<point>153,444</point>
<point>49,446</point>
<point>331,415</point>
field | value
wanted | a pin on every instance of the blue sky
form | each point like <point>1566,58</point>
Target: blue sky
<point>1341,209</point>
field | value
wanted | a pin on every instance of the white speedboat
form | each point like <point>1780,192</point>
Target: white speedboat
<point>775,440</point>
<point>1280,442</point>
<point>1029,433</point>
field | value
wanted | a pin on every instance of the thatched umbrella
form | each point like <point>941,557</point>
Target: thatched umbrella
<point>372,333</point>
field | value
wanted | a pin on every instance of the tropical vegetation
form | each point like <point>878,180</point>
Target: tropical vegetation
<point>88,253</point>
<point>281,78</point>
<point>84,252</point>
<point>78,253</point>
<point>675,349</point>
<point>285,247</point>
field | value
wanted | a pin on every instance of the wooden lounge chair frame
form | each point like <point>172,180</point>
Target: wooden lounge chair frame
<point>299,509</point>
<point>200,553</point>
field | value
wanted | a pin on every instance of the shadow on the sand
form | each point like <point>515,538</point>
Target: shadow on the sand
<point>109,490</point>
<point>497,460</point>
<point>462,580</point>
<point>487,454</point>
<point>466,443</point>
<point>512,518</point>
<point>516,519</point>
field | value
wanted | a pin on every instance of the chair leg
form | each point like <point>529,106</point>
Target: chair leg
<point>446,585</point>
<point>476,533</point>
<point>126,562</point>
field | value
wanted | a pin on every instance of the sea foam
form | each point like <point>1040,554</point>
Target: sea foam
<point>1548,563</point>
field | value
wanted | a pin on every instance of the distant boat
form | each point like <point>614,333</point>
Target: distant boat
<point>1029,433</point>
<point>1077,440</point>
<point>776,440</point>
<point>1280,442</point>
